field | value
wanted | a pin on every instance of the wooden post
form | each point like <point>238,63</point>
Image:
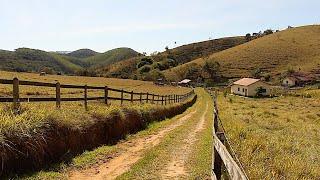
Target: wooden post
<point>217,161</point>
<point>16,99</point>
<point>147,97</point>
<point>58,98</point>
<point>152,98</point>
<point>121,96</point>
<point>215,121</point>
<point>106,93</point>
<point>165,100</point>
<point>161,100</point>
<point>140,98</point>
<point>158,99</point>
<point>86,97</point>
<point>131,96</point>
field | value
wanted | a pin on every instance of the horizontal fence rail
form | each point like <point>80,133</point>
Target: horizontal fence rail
<point>143,96</point>
<point>220,153</point>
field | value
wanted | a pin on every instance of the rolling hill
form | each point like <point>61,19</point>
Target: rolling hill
<point>82,53</point>
<point>274,54</point>
<point>33,60</point>
<point>178,55</point>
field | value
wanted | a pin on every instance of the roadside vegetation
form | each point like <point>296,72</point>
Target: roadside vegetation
<point>275,138</point>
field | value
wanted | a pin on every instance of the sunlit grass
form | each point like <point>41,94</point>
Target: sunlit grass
<point>275,138</point>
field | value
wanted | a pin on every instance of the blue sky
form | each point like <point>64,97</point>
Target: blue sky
<point>144,25</point>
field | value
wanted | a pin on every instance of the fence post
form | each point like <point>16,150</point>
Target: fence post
<point>86,97</point>
<point>58,98</point>
<point>147,97</point>
<point>152,98</point>
<point>16,99</point>
<point>165,100</point>
<point>161,100</point>
<point>140,98</point>
<point>217,162</point>
<point>158,98</point>
<point>106,92</point>
<point>121,96</point>
<point>131,96</point>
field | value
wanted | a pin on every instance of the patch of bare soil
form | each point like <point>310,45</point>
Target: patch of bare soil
<point>131,152</point>
<point>175,168</point>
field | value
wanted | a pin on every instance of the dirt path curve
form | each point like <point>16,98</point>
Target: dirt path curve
<point>131,153</point>
<point>175,168</point>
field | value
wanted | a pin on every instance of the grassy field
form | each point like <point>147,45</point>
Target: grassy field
<point>128,85</point>
<point>292,48</point>
<point>275,138</point>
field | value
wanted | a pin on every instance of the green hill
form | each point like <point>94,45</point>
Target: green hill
<point>82,53</point>
<point>273,54</point>
<point>110,57</point>
<point>33,60</point>
<point>130,68</point>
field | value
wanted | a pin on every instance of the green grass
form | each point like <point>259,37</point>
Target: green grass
<point>275,138</point>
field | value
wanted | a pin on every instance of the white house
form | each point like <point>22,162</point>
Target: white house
<point>249,86</point>
<point>290,81</point>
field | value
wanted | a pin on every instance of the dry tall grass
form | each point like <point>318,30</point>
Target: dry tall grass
<point>275,138</point>
<point>293,48</point>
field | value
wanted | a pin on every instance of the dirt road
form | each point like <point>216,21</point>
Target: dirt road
<point>174,165</point>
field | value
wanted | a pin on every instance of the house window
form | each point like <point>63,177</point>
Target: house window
<point>287,82</point>
<point>263,90</point>
<point>238,89</point>
<point>243,90</point>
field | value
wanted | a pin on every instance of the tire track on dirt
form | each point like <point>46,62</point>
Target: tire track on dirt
<point>175,168</point>
<point>131,152</point>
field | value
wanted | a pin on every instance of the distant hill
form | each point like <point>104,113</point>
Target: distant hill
<point>175,56</point>
<point>33,60</point>
<point>110,57</point>
<point>82,53</point>
<point>273,54</point>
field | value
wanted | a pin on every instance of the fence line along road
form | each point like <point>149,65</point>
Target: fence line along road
<point>143,96</point>
<point>220,153</point>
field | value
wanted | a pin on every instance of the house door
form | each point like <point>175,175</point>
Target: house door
<point>246,92</point>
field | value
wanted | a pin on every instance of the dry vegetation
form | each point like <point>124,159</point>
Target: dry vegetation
<point>128,85</point>
<point>275,138</point>
<point>293,48</point>
<point>30,133</point>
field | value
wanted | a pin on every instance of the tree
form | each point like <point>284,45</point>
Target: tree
<point>167,48</point>
<point>248,37</point>
<point>212,69</point>
<point>268,31</point>
<point>256,73</point>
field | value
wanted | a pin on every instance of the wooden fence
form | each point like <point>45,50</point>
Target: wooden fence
<point>220,153</point>
<point>143,97</point>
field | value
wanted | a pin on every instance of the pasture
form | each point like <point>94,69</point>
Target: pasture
<point>275,138</point>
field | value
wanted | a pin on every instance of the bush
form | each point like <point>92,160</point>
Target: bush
<point>144,69</point>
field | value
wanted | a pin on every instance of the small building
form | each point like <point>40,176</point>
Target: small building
<point>290,81</point>
<point>248,87</point>
<point>299,79</point>
<point>185,82</point>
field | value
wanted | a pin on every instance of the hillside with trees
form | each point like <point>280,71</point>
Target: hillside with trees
<point>151,67</point>
<point>270,56</point>
<point>80,62</point>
